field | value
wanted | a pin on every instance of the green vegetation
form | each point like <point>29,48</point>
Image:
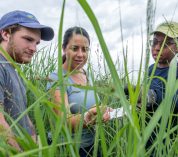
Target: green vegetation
<point>124,137</point>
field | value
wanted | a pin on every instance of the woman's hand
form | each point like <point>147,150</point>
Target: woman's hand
<point>106,114</point>
<point>90,116</point>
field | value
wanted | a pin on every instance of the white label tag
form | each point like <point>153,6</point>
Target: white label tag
<point>117,113</point>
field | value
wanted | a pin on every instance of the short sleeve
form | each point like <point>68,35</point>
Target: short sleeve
<point>53,77</point>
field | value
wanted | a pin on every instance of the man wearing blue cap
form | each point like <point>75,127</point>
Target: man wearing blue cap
<point>20,33</point>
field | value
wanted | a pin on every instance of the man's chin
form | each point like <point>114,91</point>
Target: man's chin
<point>25,61</point>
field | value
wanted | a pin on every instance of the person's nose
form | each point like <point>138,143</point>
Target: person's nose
<point>33,47</point>
<point>80,52</point>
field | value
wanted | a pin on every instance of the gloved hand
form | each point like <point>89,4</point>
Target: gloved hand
<point>150,98</point>
<point>126,90</point>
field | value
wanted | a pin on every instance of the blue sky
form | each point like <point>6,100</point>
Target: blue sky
<point>133,17</point>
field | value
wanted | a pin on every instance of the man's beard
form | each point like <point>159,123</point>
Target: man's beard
<point>14,52</point>
<point>11,49</point>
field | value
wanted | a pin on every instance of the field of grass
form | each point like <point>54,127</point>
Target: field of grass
<point>124,137</point>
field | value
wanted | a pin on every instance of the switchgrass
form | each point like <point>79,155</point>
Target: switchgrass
<point>125,137</point>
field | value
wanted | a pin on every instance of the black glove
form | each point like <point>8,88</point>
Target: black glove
<point>126,90</point>
<point>151,98</point>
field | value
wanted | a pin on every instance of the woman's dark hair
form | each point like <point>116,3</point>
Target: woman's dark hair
<point>11,30</point>
<point>68,35</point>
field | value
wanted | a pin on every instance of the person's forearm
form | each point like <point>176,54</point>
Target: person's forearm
<point>33,135</point>
<point>6,131</point>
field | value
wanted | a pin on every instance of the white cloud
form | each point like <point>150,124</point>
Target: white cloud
<point>133,19</point>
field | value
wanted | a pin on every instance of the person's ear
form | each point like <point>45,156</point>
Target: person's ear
<point>5,35</point>
<point>176,41</point>
<point>176,49</point>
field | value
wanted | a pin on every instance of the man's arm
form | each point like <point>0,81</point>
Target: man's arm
<point>33,135</point>
<point>5,128</point>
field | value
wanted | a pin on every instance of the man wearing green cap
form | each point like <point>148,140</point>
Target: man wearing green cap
<point>164,37</point>
<point>165,42</point>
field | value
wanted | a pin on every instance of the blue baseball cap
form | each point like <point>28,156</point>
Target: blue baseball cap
<point>27,20</point>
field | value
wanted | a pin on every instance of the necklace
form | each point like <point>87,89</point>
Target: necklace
<point>79,78</point>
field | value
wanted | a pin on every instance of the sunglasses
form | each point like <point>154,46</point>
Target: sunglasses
<point>167,43</point>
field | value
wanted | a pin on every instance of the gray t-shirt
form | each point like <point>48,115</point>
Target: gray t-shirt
<point>79,100</point>
<point>13,93</point>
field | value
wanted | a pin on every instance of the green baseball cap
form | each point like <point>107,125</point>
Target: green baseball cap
<point>168,28</point>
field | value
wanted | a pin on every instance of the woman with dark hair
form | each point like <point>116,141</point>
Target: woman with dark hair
<point>75,46</point>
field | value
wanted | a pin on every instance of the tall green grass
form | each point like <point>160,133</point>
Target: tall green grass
<point>124,137</point>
